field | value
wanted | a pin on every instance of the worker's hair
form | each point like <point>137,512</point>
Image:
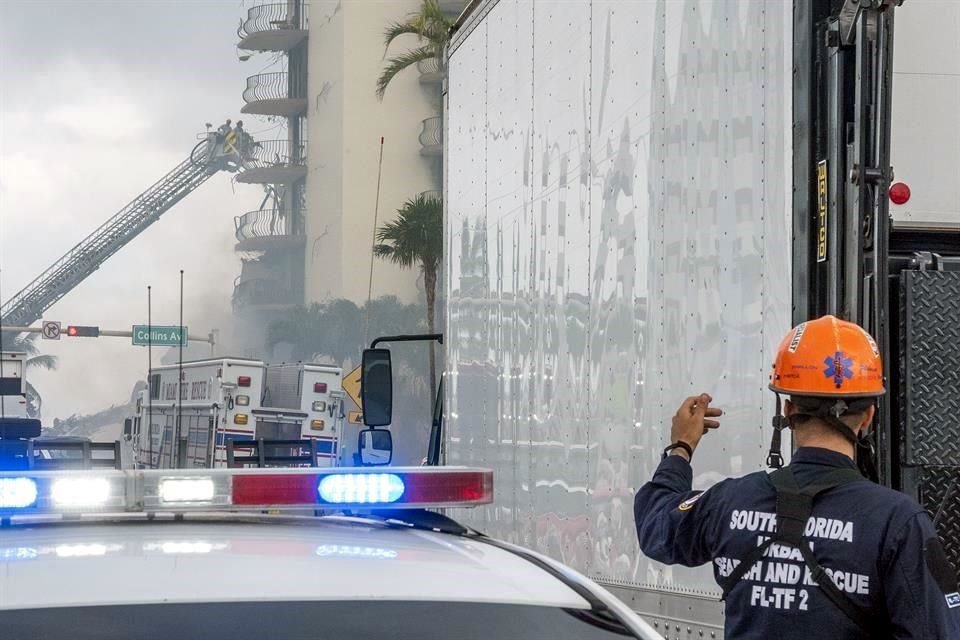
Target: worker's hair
<point>812,409</point>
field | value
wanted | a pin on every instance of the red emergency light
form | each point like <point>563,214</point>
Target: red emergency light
<point>319,387</point>
<point>899,193</point>
<point>243,381</point>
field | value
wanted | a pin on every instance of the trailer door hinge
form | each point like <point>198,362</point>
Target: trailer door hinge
<point>926,261</point>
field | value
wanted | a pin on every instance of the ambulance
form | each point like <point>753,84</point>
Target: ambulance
<point>231,408</point>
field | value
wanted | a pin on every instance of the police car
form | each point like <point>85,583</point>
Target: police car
<point>226,553</point>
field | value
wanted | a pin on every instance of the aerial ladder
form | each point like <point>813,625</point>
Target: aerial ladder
<point>217,151</point>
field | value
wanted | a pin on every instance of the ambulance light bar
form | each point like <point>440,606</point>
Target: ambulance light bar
<point>176,490</point>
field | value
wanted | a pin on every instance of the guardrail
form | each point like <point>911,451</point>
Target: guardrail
<point>272,453</point>
<point>268,86</point>
<point>273,17</point>
<point>273,154</point>
<point>431,135</point>
<point>431,65</point>
<point>265,223</point>
<point>262,291</point>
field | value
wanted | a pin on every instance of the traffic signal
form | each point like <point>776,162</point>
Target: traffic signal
<point>75,331</point>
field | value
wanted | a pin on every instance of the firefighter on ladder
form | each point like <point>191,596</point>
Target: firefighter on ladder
<point>812,550</point>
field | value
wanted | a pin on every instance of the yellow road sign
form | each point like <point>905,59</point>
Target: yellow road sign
<point>351,384</point>
<point>355,417</point>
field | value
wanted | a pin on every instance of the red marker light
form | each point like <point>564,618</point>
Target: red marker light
<point>899,193</point>
<point>319,387</point>
<point>243,381</point>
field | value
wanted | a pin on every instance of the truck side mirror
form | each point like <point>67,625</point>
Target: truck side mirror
<point>375,447</point>
<point>128,426</point>
<point>376,388</point>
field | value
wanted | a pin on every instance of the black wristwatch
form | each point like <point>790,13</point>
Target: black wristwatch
<point>679,444</point>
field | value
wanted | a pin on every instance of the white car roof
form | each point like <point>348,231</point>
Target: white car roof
<point>278,559</point>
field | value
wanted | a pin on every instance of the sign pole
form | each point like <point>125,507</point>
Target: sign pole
<point>149,372</point>
<point>180,385</point>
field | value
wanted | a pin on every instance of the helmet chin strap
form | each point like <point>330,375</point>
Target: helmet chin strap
<point>830,416</point>
<point>775,457</point>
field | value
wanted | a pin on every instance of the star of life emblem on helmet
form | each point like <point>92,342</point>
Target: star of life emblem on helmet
<point>839,367</point>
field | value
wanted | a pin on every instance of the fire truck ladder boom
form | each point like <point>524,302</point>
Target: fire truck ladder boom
<point>207,158</point>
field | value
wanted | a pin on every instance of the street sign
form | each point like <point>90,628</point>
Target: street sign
<point>354,417</point>
<point>159,336</point>
<point>351,384</point>
<point>51,330</point>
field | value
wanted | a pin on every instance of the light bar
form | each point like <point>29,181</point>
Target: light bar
<point>361,488</point>
<point>180,490</point>
<point>17,492</point>
<point>80,492</point>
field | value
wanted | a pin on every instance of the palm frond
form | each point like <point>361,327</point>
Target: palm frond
<point>43,361</point>
<point>415,236</point>
<point>432,29</point>
<point>22,342</point>
<point>397,29</point>
<point>398,63</point>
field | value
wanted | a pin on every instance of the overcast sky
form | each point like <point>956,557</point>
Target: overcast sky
<point>98,100</point>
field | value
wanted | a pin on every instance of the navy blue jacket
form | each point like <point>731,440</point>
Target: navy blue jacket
<point>879,545</point>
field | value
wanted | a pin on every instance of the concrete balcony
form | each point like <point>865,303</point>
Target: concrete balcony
<point>273,27</point>
<point>272,162</point>
<point>264,230</point>
<point>263,293</point>
<point>269,94</point>
<point>431,137</point>
<point>431,71</point>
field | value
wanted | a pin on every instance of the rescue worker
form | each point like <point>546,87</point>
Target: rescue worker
<point>224,129</point>
<point>812,550</point>
<point>243,139</point>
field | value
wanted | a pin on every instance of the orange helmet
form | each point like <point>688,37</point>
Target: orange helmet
<point>828,357</point>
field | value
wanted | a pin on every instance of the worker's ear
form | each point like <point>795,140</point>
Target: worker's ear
<point>789,408</point>
<point>867,419</point>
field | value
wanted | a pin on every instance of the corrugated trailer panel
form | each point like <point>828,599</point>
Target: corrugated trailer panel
<point>617,238</point>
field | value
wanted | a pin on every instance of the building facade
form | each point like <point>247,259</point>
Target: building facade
<point>312,239</point>
<point>271,239</point>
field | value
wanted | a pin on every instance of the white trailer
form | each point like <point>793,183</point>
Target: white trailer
<point>630,195</point>
<point>925,139</point>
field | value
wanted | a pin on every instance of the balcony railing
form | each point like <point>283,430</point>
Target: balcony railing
<point>273,27</point>
<point>431,136</point>
<point>273,161</point>
<point>262,292</point>
<point>265,224</point>
<point>431,195</point>
<point>431,70</point>
<point>271,94</point>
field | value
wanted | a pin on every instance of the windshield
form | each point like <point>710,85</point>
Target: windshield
<point>347,620</point>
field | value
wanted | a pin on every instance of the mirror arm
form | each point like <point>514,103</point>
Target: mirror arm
<point>420,337</point>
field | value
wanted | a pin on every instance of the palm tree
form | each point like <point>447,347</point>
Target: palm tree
<point>27,343</point>
<point>432,28</point>
<point>416,237</point>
